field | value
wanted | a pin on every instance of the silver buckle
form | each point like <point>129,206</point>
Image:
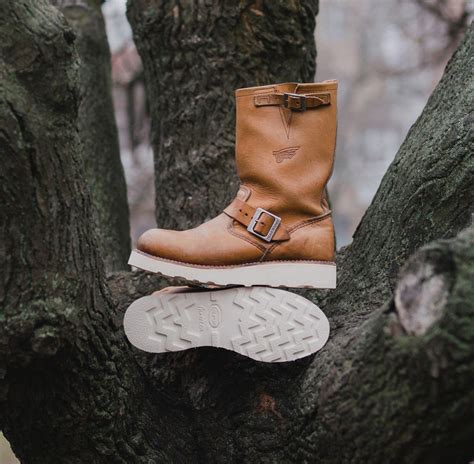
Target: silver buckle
<point>301,98</point>
<point>273,228</point>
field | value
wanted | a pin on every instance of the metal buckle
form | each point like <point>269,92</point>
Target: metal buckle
<point>273,228</point>
<point>301,98</point>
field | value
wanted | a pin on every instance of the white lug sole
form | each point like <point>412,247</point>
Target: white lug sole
<point>265,324</point>
<point>295,274</point>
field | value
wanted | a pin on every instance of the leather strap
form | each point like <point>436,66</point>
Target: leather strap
<point>293,101</point>
<point>242,212</point>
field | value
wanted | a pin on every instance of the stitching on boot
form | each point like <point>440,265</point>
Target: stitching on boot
<point>308,222</point>
<point>297,226</point>
<point>230,229</point>
<point>286,123</point>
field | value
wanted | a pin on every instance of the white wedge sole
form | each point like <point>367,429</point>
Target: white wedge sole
<point>295,274</point>
<point>265,324</point>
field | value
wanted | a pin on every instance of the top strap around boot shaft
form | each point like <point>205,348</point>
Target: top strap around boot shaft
<point>293,101</point>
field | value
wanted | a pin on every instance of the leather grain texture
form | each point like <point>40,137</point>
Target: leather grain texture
<point>284,159</point>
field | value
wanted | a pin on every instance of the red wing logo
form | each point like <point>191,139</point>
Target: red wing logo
<point>285,153</point>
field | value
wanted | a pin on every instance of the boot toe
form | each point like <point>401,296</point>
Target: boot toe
<point>152,242</point>
<point>167,244</point>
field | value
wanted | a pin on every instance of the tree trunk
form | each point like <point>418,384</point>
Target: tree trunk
<point>195,55</point>
<point>98,131</point>
<point>394,383</point>
<point>70,390</point>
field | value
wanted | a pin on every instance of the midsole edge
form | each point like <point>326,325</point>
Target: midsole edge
<point>273,274</point>
<point>141,254</point>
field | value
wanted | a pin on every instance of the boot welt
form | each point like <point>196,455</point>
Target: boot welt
<point>265,324</point>
<point>291,274</point>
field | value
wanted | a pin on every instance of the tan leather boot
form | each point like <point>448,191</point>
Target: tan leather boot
<point>278,230</point>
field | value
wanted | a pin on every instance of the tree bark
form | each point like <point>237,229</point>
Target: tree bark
<point>98,131</point>
<point>70,391</point>
<point>195,55</point>
<point>425,195</point>
<point>394,383</point>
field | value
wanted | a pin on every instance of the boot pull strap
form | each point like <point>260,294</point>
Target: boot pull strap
<point>259,222</point>
<point>293,101</point>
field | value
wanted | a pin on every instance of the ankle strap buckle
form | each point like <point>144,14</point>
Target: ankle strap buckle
<point>258,213</point>
<point>294,101</point>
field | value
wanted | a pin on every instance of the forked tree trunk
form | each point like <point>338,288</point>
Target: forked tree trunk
<point>394,383</point>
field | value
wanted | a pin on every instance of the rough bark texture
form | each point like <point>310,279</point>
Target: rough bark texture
<point>394,383</point>
<point>70,391</point>
<point>195,55</point>
<point>98,131</point>
<point>426,194</point>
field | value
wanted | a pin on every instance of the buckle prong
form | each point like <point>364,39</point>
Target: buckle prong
<point>258,213</point>
<point>300,98</point>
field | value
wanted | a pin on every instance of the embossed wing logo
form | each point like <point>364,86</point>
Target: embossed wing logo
<point>285,153</point>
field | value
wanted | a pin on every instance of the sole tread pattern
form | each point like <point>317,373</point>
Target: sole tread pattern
<point>265,324</point>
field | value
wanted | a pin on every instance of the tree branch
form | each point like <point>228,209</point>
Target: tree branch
<point>398,387</point>
<point>425,195</point>
<point>98,132</point>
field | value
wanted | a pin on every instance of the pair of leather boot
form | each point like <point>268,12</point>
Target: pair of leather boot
<point>277,232</point>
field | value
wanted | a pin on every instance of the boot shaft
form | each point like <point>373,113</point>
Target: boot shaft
<point>284,151</point>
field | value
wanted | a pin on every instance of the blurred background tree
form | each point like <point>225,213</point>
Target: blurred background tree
<point>388,56</point>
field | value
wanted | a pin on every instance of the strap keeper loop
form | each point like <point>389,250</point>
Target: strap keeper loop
<point>294,101</point>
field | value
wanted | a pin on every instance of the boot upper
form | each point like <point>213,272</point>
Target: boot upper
<point>285,141</point>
